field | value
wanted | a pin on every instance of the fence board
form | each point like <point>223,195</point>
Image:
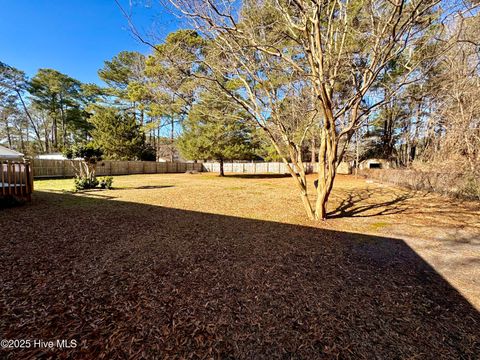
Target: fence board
<point>43,168</point>
<point>255,167</point>
<point>63,168</point>
<point>264,168</point>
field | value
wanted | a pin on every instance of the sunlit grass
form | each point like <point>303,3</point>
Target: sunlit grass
<point>53,184</point>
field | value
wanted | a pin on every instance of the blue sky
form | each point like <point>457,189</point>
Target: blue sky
<point>75,36</point>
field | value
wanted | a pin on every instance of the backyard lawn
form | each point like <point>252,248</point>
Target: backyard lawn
<point>198,266</point>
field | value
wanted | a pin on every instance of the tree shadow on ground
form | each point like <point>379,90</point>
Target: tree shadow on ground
<point>130,280</point>
<point>353,203</point>
<point>145,187</point>
<point>96,193</point>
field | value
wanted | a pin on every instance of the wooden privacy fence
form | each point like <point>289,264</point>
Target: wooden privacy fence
<point>16,179</point>
<point>63,168</point>
<point>43,168</point>
<point>267,167</point>
<point>255,167</point>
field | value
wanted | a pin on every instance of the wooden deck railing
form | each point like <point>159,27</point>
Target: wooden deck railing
<point>16,179</point>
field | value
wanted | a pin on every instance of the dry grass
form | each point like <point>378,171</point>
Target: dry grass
<point>445,232</point>
<point>201,266</point>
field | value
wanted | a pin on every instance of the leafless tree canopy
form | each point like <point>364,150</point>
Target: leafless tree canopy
<point>319,69</point>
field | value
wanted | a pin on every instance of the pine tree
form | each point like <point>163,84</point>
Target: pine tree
<point>118,135</point>
<point>216,129</point>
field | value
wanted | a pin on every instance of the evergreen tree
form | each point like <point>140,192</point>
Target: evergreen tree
<point>216,129</point>
<point>171,85</point>
<point>119,136</point>
<point>13,85</point>
<point>61,97</point>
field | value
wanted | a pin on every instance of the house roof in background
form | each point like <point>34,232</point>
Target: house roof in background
<point>6,153</point>
<point>51,156</point>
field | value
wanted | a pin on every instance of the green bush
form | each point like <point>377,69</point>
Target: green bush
<point>84,183</point>
<point>88,152</point>
<point>148,153</point>
<point>106,182</point>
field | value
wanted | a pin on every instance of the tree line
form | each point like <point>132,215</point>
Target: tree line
<point>52,111</point>
<point>137,115</point>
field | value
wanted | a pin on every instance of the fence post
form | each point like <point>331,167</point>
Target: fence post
<point>20,178</point>
<point>9,175</point>
<point>14,178</point>
<point>31,173</point>
<point>2,178</point>
<point>28,182</point>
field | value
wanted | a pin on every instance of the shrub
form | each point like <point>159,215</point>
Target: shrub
<point>89,153</point>
<point>454,184</point>
<point>106,182</point>
<point>148,153</point>
<point>85,182</point>
<point>85,170</point>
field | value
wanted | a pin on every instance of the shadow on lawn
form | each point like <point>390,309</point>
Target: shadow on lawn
<point>131,280</point>
<point>352,204</point>
<point>146,187</point>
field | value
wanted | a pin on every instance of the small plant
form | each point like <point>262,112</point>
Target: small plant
<point>84,159</point>
<point>85,182</point>
<point>106,182</point>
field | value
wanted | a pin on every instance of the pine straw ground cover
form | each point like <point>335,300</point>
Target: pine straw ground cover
<point>196,266</point>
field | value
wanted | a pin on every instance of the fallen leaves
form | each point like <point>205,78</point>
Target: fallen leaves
<point>129,280</point>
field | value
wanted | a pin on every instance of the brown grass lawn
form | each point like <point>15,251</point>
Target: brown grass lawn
<point>197,266</point>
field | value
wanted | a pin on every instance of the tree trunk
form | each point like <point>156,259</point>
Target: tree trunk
<point>172,132</point>
<point>22,142</point>
<point>296,170</point>
<point>327,171</point>
<point>9,137</point>
<point>357,152</point>
<point>54,133</point>
<point>47,145</point>
<point>313,156</point>
<point>64,125</point>
<point>37,133</point>
<point>222,173</point>
<point>157,146</point>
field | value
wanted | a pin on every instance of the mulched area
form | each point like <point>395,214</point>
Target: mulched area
<point>133,281</point>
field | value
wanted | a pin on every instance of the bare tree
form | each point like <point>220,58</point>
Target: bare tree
<point>453,128</point>
<point>13,83</point>
<point>339,50</point>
